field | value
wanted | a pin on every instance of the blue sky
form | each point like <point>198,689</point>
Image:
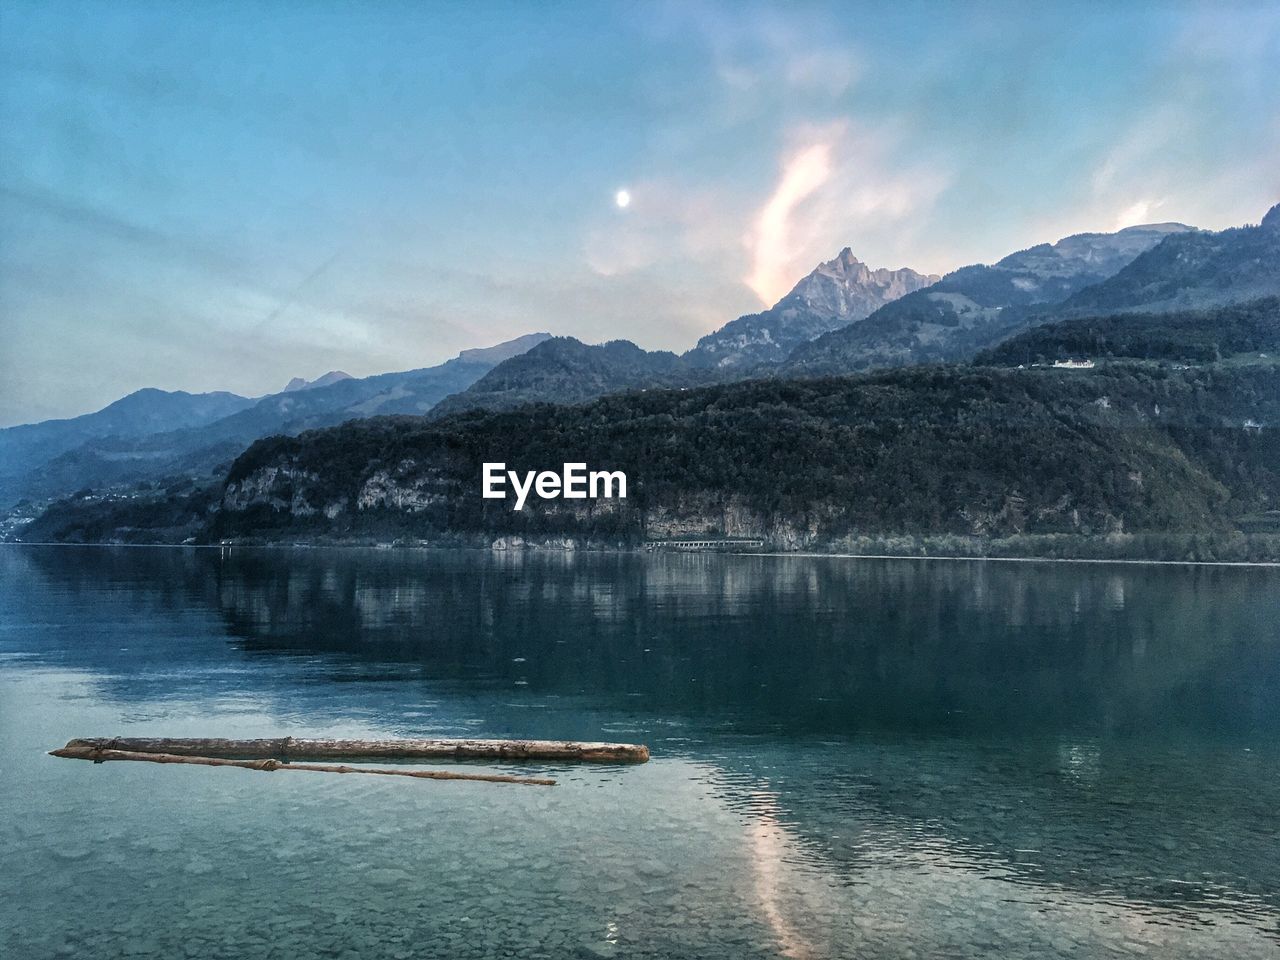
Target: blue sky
<point>223,196</point>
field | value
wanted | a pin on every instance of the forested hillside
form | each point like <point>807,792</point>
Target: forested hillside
<point>566,370</point>
<point>1187,335</point>
<point>919,451</point>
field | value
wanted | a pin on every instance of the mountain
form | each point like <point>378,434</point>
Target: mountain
<point>112,457</point>
<point>979,305</point>
<point>410,392</point>
<point>141,413</point>
<point>503,351</point>
<point>332,377</point>
<point>566,370</point>
<point>845,317</point>
<point>931,451</point>
<point>836,293</point>
<point>1193,270</point>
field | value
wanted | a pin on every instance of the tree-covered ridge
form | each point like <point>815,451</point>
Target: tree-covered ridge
<point>921,451</point>
<point>175,515</point>
<point>1192,336</point>
<point>566,370</point>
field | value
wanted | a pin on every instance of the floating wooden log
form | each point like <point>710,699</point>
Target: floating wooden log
<point>291,748</point>
<point>98,755</point>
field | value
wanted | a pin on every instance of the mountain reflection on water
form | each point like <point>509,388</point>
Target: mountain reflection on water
<point>884,733</point>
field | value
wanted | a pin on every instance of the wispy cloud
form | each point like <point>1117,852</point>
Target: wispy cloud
<point>840,184</point>
<point>780,52</point>
<point>1142,211</point>
<point>835,184</point>
<point>1177,153</point>
<point>773,240</point>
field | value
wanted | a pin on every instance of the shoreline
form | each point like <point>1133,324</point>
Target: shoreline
<point>900,556</point>
<point>773,554</point>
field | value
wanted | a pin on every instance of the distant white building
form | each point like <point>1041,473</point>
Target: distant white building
<point>1073,364</point>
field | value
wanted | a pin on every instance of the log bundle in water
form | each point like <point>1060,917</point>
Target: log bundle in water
<point>102,755</point>
<point>292,748</point>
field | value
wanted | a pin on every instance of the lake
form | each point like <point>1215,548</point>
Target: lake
<point>851,758</point>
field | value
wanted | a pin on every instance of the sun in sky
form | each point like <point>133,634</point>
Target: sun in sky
<point>622,198</point>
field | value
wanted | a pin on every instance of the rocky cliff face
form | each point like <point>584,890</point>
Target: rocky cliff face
<point>710,515</point>
<point>415,496</point>
<point>413,499</point>
<point>278,488</point>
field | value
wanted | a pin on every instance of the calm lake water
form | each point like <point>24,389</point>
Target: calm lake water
<point>851,758</point>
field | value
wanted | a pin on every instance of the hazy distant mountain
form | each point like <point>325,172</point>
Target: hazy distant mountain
<point>1193,270</point>
<point>505,350</point>
<point>115,456</point>
<point>141,413</point>
<point>977,306</point>
<point>333,376</point>
<point>837,293</point>
<point>565,370</point>
<point>409,392</point>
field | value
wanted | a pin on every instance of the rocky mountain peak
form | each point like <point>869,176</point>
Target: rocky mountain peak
<point>1091,255</point>
<point>835,293</point>
<point>1272,220</point>
<point>843,263</point>
<point>846,288</point>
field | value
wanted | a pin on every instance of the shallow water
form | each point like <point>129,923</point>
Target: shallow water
<point>852,758</point>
